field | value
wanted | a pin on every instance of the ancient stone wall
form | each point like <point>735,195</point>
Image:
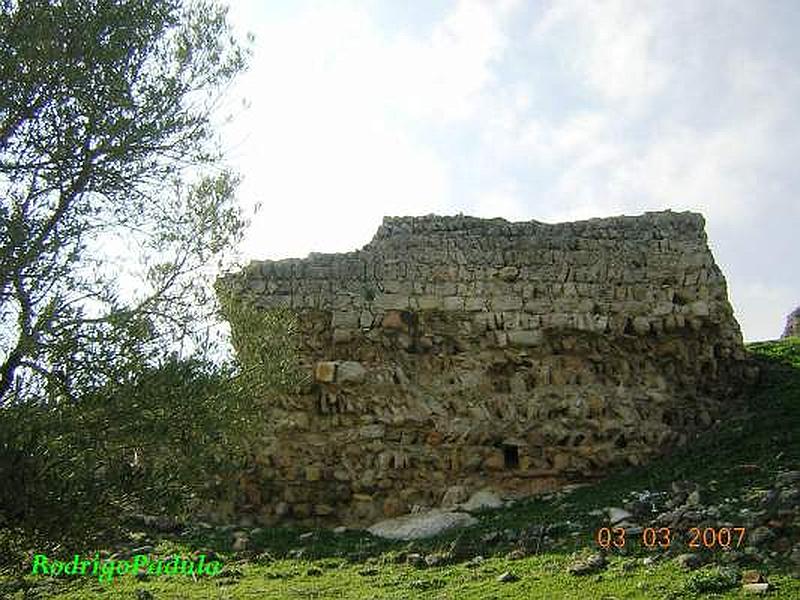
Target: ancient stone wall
<point>456,351</point>
<point>792,328</point>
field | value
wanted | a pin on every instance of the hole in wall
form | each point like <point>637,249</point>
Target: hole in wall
<point>511,456</point>
<point>629,330</point>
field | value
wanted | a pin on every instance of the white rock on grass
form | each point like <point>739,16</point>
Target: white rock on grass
<point>616,515</point>
<point>480,500</point>
<point>421,525</point>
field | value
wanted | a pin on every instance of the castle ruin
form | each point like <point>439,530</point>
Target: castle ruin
<point>457,351</point>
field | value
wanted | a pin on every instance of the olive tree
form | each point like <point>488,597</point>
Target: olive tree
<point>107,149</point>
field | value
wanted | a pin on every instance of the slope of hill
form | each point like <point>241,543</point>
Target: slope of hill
<point>720,518</point>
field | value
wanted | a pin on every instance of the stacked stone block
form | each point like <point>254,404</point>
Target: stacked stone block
<point>457,350</point>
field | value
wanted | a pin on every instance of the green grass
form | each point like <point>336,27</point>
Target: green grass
<point>732,465</point>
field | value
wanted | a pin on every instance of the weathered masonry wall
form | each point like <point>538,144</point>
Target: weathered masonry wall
<point>792,324</point>
<point>460,351</point>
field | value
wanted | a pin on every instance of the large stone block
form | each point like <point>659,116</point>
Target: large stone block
<point>506,303</point>
<point>325,372</point>
<point>392,301</point>
<point>475,303</point>
<point>350,371</point>
<point>525,338</point>
<point>453,303</point>
<point>342,336</point>
<point>641,325</point>
<point>346,319</point>
<point>510,273</point>
<point>393,319</point>
<point>699,308</point>
<point>347,371</point>
<point>372,432</point>
<point>428,302</point>
<point>421,525</point>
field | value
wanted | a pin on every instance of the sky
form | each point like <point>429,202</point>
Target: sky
<point>554,110</point>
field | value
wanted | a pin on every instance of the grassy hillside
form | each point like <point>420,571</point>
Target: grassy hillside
<point>745,474</point>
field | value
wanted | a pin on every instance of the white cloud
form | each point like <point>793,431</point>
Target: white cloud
<point>441,77</point>
<point>328,144</point>
<point>613,47</point>
<point>643,145</point>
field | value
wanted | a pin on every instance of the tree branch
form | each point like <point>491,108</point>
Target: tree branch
<point>24,339</point>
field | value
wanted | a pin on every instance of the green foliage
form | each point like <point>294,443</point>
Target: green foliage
<point>115,216</point>
<point>154,445</point>
<point>105,112</point>
<point>786,351</point>
<point>711,580</point>
<point>266,343</point>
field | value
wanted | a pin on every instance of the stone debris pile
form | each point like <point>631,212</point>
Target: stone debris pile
<point>767,519</point>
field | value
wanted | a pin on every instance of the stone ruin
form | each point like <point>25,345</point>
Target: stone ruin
<point>792,328</point>
<point>457,353</point>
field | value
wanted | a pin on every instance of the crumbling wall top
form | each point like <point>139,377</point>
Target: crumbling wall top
<point>648,226</point>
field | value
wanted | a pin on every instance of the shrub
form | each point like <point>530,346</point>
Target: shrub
<point>712,580</point>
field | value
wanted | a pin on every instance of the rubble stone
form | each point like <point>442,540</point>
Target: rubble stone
<point>420,526</point>
<point>457,351</point>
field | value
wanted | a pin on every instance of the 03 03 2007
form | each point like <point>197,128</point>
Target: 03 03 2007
<point>694,538</point>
